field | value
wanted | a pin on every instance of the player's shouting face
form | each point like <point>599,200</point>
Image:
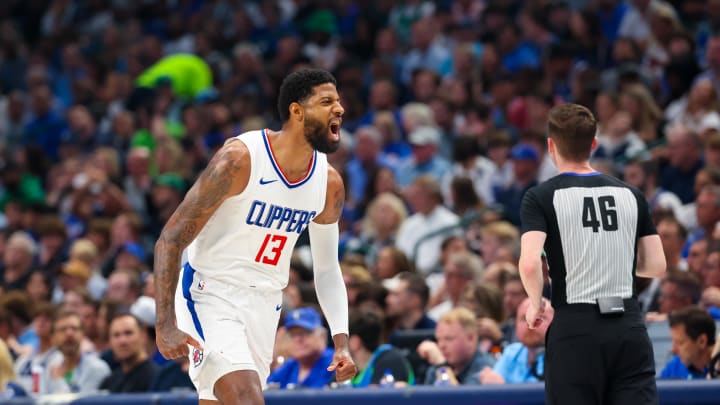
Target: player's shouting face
<point>323,117</point>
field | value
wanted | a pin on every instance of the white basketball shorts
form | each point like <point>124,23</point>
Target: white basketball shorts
<point>236,327</point>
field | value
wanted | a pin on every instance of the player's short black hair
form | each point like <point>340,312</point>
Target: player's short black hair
<point>298,86</point>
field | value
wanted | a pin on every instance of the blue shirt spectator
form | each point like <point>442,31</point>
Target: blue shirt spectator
<point>676,370</point>
<point>310,357</point>
<point>513,365</point>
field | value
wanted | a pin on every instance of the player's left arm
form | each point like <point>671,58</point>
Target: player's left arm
<point>329,284</point>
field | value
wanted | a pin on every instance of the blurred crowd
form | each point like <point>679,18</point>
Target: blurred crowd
<point>110,109</point>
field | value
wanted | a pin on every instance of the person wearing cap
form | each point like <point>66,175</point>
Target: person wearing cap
<point>131,256</point>
<point>526,162</point>
<point>425,158</point>
<point>75,273</point>
<point>308,365</point>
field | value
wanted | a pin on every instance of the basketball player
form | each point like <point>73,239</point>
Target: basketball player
<point>240,222</point>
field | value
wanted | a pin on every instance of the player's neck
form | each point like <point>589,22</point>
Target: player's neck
<point>292,152</point>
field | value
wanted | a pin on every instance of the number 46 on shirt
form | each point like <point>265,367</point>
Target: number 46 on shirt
<point>608,215</point>
<point>272,246</point>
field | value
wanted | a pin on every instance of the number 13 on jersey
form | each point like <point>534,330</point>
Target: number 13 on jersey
<point>272,246</point>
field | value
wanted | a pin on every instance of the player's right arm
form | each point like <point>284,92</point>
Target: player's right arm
<point>226,175</point>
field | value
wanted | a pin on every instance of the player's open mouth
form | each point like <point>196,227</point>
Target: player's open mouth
<point>335,130</point>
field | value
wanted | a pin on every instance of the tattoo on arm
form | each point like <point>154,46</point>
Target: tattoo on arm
<point>211,189</point>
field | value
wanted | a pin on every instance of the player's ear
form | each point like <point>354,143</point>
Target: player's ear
<point>297,112</point>
<point>594,143</point>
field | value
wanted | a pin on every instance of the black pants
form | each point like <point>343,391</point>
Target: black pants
<point>596,360</point>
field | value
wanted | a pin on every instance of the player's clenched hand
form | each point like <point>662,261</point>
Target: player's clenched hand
<point>343,365</point>
<point>173,343</point>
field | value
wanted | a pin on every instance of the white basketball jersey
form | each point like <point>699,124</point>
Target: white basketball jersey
<point>248,241</point>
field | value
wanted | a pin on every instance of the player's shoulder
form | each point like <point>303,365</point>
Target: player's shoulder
<point>334,178</point>
<point>233,154</point>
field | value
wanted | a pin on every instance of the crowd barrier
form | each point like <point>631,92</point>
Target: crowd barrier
<point>703,392</point>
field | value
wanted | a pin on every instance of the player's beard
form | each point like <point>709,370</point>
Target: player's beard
<point>317,135</point>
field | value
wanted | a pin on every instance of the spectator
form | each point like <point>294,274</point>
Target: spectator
<point>18,260</point>
<point>384,216</point>
<point>9,389</point>
<point>128,342</point>
<point>373,358</point>
<point>74,274</point>
<point>425,159</point>
<point>124,286</point>
<point>697,255</point>
<point>406,302</point>
<point>421,234</point>
<point>513,295</point>
<point>673,236</point>
<point>526,162</point>
<point>643,174</point>
<point>461,269</point>
<point>456,349</point>
<point>693,336</point>
<point>677,291</point>
<point>522,361</point>
<point>390,262</point>
<point>24,339</point>
<point>310,357</point>
<point>24,365</point>
<point>73,371</point>
<point>684,162</point>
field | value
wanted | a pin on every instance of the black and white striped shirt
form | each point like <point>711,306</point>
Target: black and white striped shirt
<point>592,222</point>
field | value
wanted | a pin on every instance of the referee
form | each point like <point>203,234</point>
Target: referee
<point>598,236</point>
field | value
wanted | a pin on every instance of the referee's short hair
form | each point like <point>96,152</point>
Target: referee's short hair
<point>696,320</point>
<point>573,128</point>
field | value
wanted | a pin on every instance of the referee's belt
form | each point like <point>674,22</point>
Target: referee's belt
<point>630,305</point>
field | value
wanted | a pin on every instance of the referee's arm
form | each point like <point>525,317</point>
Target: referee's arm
<point>531,245</point>
<point>650,257</point>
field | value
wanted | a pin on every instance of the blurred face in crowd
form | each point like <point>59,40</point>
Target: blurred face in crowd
<point>127,339</point>
<point>697,255</point>
<point>384,218</point>
<point>306,345</point>
<point>72,301</point>
<point>118,288</point>
<point>37,287</point>
<point>382,95</point>
<point>455,280</point>
<point>688,349</point>
<point>706,209</point>
<point>43,326</point>
<point>88,315</point>
<point>17,255</point>
<point>400,300</point>
<point>634,175</point>
<point>456,344</point>
<point>711,273</point>
<point>513,295</point>
<point>670,237</point>
<point>671,298</point>
<point>68,334</point>
<point>385,266</point>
